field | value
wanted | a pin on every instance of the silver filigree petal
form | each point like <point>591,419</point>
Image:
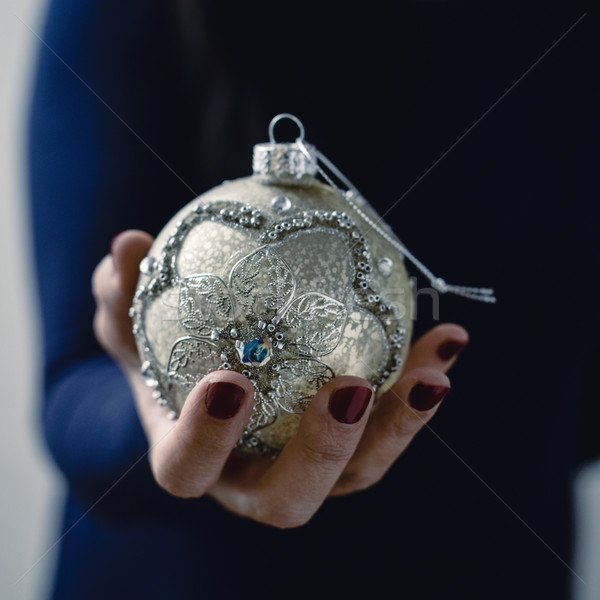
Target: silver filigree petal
<point>204,304</point>
<point>262,282</point>
<point>297,381</point>
<point>263,413</point>
<point>191,359</point>
<point>315,324</point>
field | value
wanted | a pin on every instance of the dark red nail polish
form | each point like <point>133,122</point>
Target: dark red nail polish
<point>424,397</point>
<point>348,405</point>
<point>451,349</point>
<point>223,400</point>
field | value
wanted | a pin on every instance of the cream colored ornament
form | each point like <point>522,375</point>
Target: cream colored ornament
<point>279,277</point>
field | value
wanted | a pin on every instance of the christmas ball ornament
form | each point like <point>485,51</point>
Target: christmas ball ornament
<point>283,278</point>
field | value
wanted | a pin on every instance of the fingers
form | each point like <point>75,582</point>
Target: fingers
<point>438,348</point>
<point>293,488</point>
<point>335,448</point>
<point>331,454</point>
<point>187,458</point>
<point>406,408</point>
<point>113,284</point>
<point>128,249</point>
<point>398,416</point>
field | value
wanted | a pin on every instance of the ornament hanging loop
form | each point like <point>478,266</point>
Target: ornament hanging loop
<point>280,117</point>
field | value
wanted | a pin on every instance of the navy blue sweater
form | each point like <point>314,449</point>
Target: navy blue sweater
<point>479,506</point>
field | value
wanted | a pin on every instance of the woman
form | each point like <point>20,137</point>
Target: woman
<point>162,102</point>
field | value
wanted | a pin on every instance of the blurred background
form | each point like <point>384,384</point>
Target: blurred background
<point>31,488</point>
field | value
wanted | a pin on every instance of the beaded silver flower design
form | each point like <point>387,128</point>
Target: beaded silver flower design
<point>255,323</point>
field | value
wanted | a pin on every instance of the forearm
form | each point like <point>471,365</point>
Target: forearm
<point>91,177</point>
<point>90,422</point>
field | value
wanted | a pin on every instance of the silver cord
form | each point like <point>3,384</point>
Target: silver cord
<point>437,283</point>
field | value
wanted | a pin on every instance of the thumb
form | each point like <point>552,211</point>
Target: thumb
<point>113,284</point>
<point>128,249</point>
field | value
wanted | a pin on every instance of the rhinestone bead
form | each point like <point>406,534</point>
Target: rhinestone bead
<point>385,266</point>
<point>281,204</point>
<point>256,352</point>
<point>146,265</point>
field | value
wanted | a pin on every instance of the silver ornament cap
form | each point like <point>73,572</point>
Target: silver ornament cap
<point>285,161</point>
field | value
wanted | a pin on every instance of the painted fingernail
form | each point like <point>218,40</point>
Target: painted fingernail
<point>223,399</point>
<point>348,405</point>
<point>451,348</point>
<point>424,397</point>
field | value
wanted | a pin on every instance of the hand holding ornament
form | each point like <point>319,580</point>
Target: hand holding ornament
<point>343,443</point>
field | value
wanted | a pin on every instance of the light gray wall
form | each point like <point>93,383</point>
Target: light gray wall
<point>29,486</point>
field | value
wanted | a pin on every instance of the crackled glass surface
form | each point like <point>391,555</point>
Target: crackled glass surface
<point>290,300</point>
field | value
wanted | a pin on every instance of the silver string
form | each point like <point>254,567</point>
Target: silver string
<point>437,283</point>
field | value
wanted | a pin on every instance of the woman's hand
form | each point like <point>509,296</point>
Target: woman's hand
<point>343,444</point>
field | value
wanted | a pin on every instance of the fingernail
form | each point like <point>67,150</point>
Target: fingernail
<point>347,405</point>
<point>223,400</point>
<point>112,242</point>
<point>451,349</point>
<point>424,397</point>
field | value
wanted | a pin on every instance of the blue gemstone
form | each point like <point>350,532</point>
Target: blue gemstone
<point>256,352</point>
